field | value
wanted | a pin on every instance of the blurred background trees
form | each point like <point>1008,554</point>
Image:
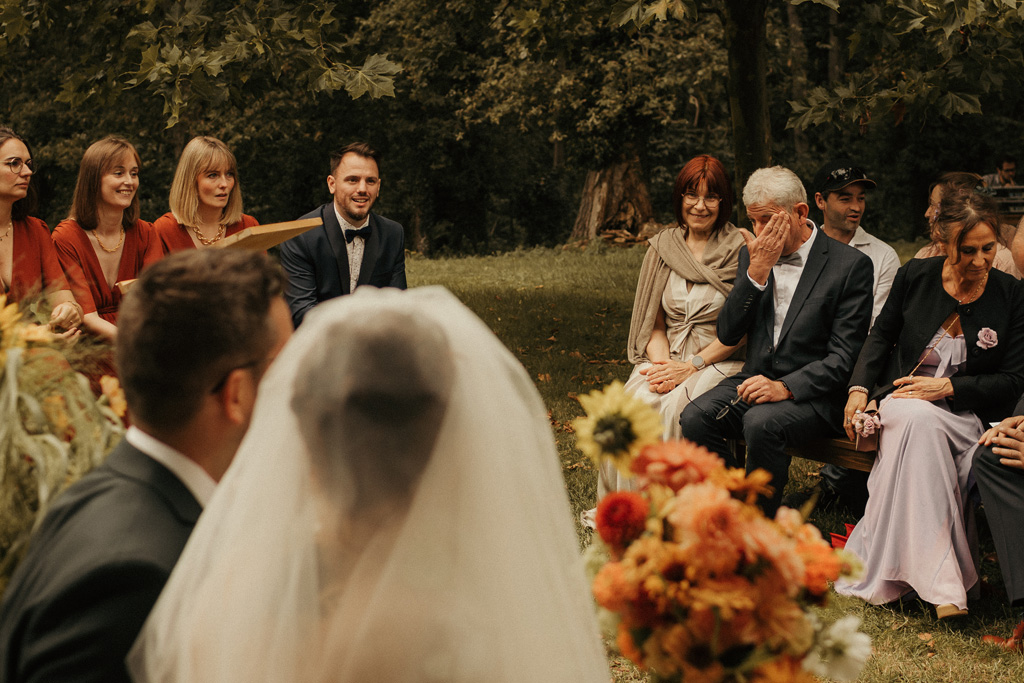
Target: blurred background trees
<point>517,123</point>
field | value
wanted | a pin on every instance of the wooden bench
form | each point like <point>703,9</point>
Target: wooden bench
<point>834,451</point>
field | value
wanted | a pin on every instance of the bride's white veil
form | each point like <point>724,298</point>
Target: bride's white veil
<point>475,577</point>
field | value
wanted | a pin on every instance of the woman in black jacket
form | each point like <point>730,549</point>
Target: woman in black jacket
<point>943,358</point>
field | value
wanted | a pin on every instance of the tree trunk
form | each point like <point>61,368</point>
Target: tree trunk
<point>798,73</point>
<point>419,240</point>
<point>745,39</point>
<point>614,198</point>
<point>835,50</point>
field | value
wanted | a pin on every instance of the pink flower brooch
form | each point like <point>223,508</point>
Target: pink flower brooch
<point>987,338</point>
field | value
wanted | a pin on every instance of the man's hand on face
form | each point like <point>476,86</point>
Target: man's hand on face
<point>767,246</point>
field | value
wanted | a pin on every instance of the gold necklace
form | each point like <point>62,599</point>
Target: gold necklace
<point>975,293</point>
<point>207,241</point>
<point>104,248</point>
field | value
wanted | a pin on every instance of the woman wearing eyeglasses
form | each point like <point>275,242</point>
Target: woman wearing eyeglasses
<point>943,357</point>
<point>103,242</point>
<point>685,277</point>
<point>28,261</point>
<point>206,198</point>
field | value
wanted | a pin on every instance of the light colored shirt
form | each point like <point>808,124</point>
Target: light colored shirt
<point>355,248</point>
<point>787,277</point>
<point>199,483</point>
<point>885,262</point>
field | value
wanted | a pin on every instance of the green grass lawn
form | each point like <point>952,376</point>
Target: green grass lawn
<point>565,314</point>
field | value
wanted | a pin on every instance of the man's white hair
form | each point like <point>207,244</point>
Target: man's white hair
<point>775,185</point>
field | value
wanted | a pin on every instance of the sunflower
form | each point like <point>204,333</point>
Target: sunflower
<point>617,426</point>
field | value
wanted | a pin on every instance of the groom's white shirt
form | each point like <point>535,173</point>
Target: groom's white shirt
<point>199,483</point>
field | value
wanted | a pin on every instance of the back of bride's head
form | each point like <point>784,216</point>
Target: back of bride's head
<point>370,401</point>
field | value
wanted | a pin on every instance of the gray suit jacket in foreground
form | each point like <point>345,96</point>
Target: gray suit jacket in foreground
<point>93,572</point>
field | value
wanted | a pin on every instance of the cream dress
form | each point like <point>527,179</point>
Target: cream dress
<point>685,339</point>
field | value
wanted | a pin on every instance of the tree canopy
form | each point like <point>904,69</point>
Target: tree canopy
<point>500,111</point>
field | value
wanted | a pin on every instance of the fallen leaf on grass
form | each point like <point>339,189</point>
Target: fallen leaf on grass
<point>573,395</point>
<point>926,637</point>
<point>576,354</point>
<point>552,338</point>
<point>539,287</point>
<point>543,376</point>
<point>582,465</point>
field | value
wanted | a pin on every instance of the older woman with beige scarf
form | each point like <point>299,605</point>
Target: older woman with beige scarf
<point>687,274</point>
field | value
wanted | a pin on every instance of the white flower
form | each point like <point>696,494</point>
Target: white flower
<point>840,652</point>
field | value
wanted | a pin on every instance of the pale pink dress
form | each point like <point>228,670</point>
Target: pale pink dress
<point>913,536</point>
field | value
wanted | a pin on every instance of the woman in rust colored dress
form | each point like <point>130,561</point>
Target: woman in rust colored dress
<point>28,262</point>
<point>103,242</point>
<point>206,199</point>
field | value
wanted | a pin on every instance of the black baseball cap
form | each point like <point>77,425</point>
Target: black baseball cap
<point>837,174</point>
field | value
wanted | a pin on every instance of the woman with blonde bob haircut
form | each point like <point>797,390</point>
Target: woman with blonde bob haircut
<point>206,198</point>
<point>102,242</point>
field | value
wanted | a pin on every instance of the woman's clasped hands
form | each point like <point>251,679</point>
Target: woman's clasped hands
<point>664,376</point>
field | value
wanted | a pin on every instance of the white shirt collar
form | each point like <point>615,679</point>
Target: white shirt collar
<point>345,225</point>
<point>860,237</point>
<point>197,480</point>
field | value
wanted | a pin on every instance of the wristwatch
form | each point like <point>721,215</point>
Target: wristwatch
<point>698,362</point>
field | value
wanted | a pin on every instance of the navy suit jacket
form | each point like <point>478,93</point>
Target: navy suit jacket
<point>316,261</point>
<point>917,305</point>
<point>93,572</point>
<point>824,328</point>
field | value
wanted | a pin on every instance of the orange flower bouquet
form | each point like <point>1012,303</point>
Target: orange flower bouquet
<point>694,583</point>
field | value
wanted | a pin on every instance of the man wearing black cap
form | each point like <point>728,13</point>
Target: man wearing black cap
<point>840,191</point>
<point>840,188</point>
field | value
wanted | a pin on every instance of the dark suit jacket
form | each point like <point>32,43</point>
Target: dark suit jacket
<point>824,328</point>
<point>917,305</point>
<point>317,261</point>
<point>93,572</point>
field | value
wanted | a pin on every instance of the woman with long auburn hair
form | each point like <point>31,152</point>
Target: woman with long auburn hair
<point>103,242</point>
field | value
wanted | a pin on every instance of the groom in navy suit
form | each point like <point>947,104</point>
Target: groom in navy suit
<point>353,247</point>
<point>803,301</point>
<point>195,334</point>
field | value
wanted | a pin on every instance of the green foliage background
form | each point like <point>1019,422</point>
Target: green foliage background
<point>500,109</point>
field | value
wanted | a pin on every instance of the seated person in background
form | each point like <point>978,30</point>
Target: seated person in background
<point>804,302</point>
<point>103,242</point>
<point>206,198</point>
<point>841,189</point>
<point>959,182</point>
<point>353,247</point>
<point>687,273</point>
<point>945,355</point>
<point>197,332</point>
<point>28,261</point>
<point>999,470</point>
<point>353,539</point>
<point>1006,172</point>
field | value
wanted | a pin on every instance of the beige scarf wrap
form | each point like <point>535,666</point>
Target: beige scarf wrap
<point>667,253</point>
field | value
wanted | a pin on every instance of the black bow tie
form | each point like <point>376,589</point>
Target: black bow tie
<point>363,232</point>
<point>793,259</point>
